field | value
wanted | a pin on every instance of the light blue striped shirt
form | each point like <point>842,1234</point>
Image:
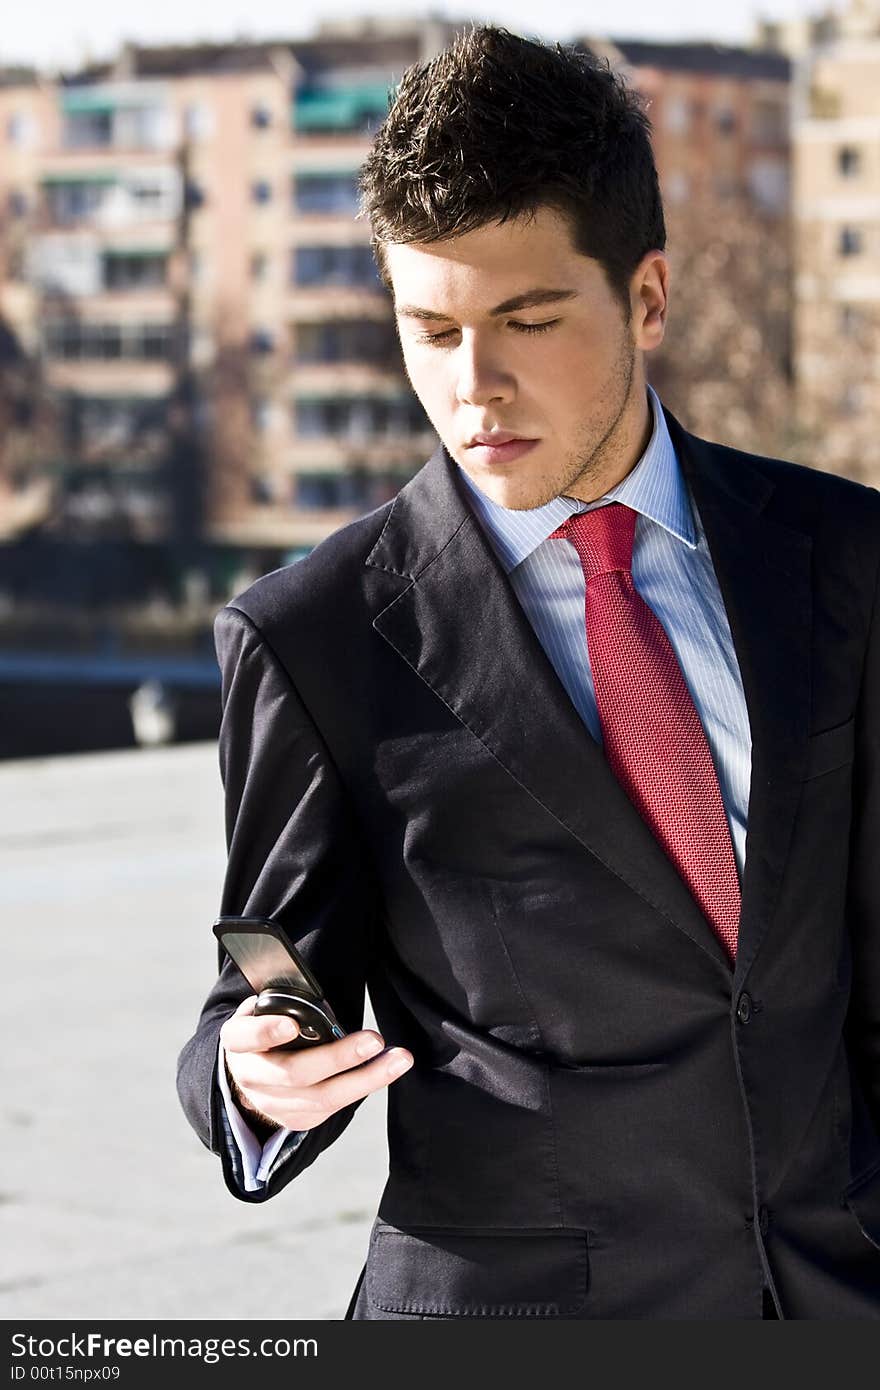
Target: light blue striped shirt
<point>672,570</point>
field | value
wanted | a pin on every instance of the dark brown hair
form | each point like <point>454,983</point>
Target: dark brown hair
<point>497,125</point>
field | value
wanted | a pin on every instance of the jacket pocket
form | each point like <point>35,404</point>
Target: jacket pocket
<point>830,749</point>
<point>863,1199</point>
<point>477,1274</point>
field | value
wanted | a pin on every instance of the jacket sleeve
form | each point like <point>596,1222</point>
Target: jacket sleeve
<point>863,1020</point>
<point>294,854</point>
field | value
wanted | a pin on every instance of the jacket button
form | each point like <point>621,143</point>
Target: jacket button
<point>744,1008</point>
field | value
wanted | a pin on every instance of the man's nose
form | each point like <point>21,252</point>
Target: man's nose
<point>481,377</point>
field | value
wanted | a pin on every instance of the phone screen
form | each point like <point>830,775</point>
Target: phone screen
<point>264,961</point>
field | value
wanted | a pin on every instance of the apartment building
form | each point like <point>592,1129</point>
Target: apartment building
<point>836,201</point>
<point>186,216</point>
<point>720,118</point>
<point>27,111</point>
<point>181,254</point>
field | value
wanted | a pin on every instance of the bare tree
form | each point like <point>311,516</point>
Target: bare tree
<point>725,367</point>
<point>28,437</point>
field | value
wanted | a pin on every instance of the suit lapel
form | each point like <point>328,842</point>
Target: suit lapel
<point>459,624</point>
<point>763,570</point>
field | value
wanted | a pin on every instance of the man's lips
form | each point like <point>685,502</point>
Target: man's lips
<point>501,449</point>
<point>494,438</point>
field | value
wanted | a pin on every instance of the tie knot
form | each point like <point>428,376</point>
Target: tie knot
<point>603,537</point>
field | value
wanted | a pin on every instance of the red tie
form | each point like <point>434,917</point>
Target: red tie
<point>653,738</point>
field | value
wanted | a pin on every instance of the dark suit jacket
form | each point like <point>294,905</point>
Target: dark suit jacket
<point>604,1120</point>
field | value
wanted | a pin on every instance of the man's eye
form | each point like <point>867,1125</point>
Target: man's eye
<point>435,337</point>
<point>513,323</point>
<point>533,327</point>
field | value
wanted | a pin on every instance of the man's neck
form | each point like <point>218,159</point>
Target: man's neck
<point>640,430</point>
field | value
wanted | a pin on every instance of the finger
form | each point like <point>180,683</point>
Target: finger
<point>346,1087</point>
<point>306,1066</point>
<point>244,1033</point>
<point>306,1108</point>
<point>283,1072</point>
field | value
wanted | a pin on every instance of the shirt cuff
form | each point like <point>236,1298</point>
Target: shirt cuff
<point>256,1159</point>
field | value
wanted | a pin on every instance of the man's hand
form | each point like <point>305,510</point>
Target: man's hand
<point>299,1090</point>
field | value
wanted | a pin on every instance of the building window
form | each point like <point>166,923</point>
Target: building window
<point>852,399</point>
<point>99,424</point>
<point>358,419</point>
<point>725,120</point>
<point>850,243</point>
<point>146,195</point>
<point>18,204</point>
<point>21,129</point>
<point>84,130</point>
<point>316,491</point>
<point>768,183</point>
<point>155,341</point>
<point>62,340</point>
<point>74,341</point>
<point>262,489</point>
<point>769,121</point>
<point>262,341</point>
<point>348,340</point>
<point>848,161</point>
<point>677,186</point>
<point>352,266</point>
<point>261,415</point>
<point>152,201</point>
<point>134,272</point>
<point>75,201</point>
<point>261,191</point>
<point>119,127</point>
<point>725,185</point>
<point>143,128</point>
<point>676,113</point>
<point>259,265</point>
<point>261,118</point>
<point>195,195</point>
<point>326,193</point>
<point>852,320</point>
<point>198,121</point>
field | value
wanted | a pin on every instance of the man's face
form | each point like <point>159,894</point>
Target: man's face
<point>564,373</point>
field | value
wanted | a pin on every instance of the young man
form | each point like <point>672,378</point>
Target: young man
<point>570,755</point>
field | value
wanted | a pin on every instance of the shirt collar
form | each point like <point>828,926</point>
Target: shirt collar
<point>654,486</point>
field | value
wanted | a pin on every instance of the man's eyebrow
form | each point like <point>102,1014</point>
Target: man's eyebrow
<point>529,300</point>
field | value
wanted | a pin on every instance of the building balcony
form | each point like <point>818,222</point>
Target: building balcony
<point>312,303</point>
<point>330,111</point>
<point>65,161</point>
<point>121,117</point>
<point>326,228</point>
<point>108,196</point>
<point>125,305</point>
<point>318,304</point>
<point>331,453</point>
<point>281,526</point>
<point>116,378</point>
<point>348,378</point>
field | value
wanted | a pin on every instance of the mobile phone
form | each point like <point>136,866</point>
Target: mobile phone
<point>280,978</point>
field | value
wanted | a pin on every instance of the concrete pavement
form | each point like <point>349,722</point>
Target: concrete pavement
<point>110,872</point>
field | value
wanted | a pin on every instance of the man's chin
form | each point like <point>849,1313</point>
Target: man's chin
<point>516,499</point>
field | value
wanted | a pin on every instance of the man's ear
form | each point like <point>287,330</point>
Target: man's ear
<point>650,294</point>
